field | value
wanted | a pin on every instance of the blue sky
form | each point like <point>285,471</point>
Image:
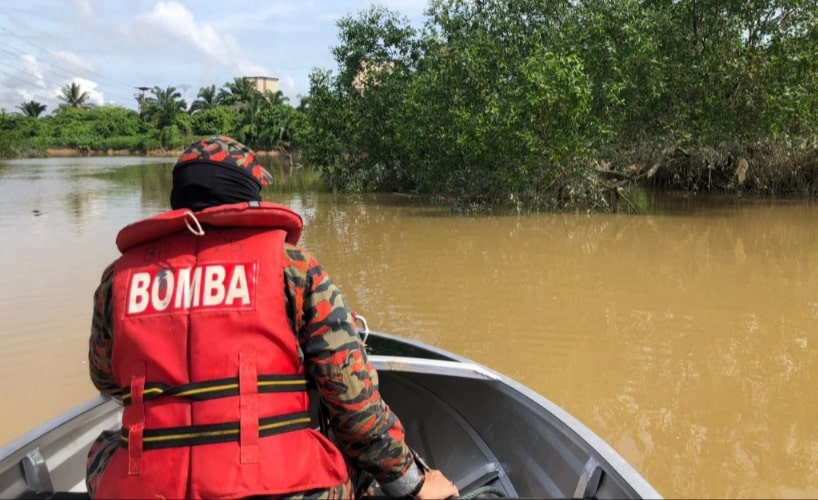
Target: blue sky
<point>110,47</point>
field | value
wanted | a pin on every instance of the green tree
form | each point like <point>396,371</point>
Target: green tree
<point>277,125</point>
<point>481,106</point>
<point>205,99</point>
<point>163,107</point>
<point>10,138</point>
<point>73,96</point>
<point>303,102</point>
<point>113,120</point>
<point>32,109</point>
<point>276,98</point>
<point>251,109</point>
<point>216,120</point>
<point>238,92</point>
<point>353,115</point>
<point>241,94</point>
<point>701,72</point>
<point>376,39</point>
<point>510,115</point>
<point>624,48</point>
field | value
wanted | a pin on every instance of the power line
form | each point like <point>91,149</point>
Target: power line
<point>18,55</point>
<point>61,58</point>
<point>120,92</point>
<point>35,84</point>
<point>20,79</point>
<point>55,64</point>
<point>51,70</point>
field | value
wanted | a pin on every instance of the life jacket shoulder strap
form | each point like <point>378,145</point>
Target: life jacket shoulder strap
<point>247,214</point>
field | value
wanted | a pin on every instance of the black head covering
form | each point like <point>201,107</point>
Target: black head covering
<point>217,171</point>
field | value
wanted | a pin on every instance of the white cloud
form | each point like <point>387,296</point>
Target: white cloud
<point>71,61</point>
<point>30,83</point>
<point>31,67</point>
<point>94,96</point>
<point>83,7</point>
<point>23,85</point>
<point>290,88</point>
<point>268,11</point>
<point>127,43</point>
<point>172,20</point>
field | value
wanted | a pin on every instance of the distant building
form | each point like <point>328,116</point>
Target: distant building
<point>366,76</point>
<point>264,83</point>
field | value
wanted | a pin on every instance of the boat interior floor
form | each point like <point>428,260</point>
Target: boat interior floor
<point>58,495</point>
<point>444,434</point>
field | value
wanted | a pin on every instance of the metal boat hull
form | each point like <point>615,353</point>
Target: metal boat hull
<point>481,428</point>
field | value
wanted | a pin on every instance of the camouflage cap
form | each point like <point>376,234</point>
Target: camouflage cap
<point>222,150</point>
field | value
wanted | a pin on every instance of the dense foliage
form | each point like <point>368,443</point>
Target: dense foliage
<point>523,103</point>
<point>527,104</point>
<point>264,121</point>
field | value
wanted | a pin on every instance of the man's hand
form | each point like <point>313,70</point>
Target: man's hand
<point>436,486</point>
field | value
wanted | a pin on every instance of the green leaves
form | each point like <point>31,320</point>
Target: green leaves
<point>509,102</point>
<point>73,96</point>
<point>478,106</point>
<point>495,101</point>
<point>32,109</point>
<point>162,109</point>
<point>262,121</point>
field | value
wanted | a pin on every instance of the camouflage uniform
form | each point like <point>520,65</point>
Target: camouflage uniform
<point>364,428</point>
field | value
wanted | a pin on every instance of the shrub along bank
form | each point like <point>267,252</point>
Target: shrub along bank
<point>551,104</point>
<point>527,105</point>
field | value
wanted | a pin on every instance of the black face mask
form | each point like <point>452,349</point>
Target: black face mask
<point>199,185</point>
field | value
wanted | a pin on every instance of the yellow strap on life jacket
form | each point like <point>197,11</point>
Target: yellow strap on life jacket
<point>219,388</point>
<point>193,435</point>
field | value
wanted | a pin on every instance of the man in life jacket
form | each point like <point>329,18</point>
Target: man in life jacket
<point>209,328</point>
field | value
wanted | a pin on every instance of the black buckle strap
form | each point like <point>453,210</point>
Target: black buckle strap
<point>194,435</point>
<point>219,388</point>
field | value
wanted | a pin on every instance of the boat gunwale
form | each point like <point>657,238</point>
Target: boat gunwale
<point>469,368</point>
<point>39,436</point>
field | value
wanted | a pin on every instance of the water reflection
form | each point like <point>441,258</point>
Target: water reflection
<point>682,340</point>
<point>151,180</point>
<point>682,336</point>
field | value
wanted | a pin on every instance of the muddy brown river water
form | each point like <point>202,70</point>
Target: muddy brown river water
<point>684,337</point>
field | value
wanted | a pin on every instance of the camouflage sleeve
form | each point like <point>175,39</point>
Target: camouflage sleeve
<point>100,345</point>
<point>365,428</point>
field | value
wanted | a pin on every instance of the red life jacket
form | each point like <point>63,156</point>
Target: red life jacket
<point>214,390</point>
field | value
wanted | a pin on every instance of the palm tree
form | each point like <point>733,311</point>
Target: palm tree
<point>32,108</point>
<point>205,99</point>
<point>281,137</point>
<point>251,111</point>
<point>163,107</point>
<point>276,98</point>
<point>73,96</point>
<point>238,92</point>
<point>303,103</point>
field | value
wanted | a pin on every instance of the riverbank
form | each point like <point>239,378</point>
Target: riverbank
<point>765,169</point>
<point>73,152</point>
<point>157,153</point>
